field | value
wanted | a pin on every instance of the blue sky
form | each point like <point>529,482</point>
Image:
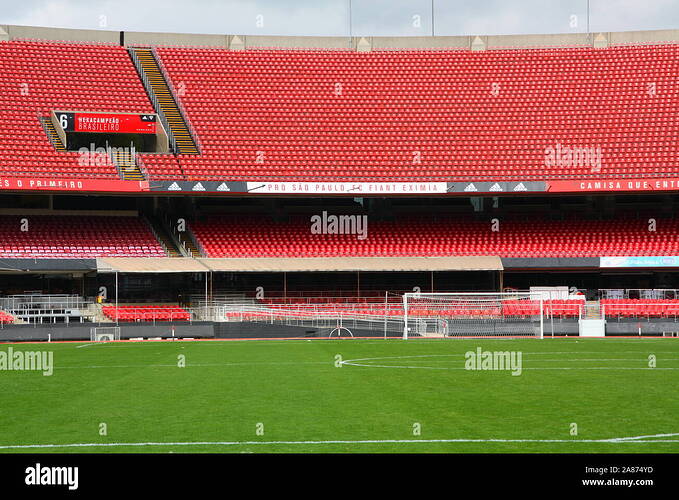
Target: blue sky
<point>331,17</point>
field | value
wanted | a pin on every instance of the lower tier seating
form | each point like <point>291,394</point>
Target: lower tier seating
<point>562,308</point>
<point>261,237</point>
<point>6,317</point>
<point>77,237</point>
<point>146,313</point>
<point>634,308</point>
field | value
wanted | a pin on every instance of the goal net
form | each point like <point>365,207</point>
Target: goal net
<point>472,315</point>
<point>105,333</point>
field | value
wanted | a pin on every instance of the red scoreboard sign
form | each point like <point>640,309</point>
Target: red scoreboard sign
<point>107,123</point>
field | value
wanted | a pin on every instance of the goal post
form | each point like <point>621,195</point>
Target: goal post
<point>104,333</point>
<point>485,314</point>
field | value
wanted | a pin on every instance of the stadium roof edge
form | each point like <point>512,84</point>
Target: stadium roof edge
<point>351,264</point>
<point>133,38</point>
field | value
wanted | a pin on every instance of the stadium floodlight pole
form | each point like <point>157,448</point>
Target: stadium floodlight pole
<point>350,26</point>
<point>432,17</point>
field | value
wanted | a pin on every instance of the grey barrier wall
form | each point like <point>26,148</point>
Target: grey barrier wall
<point>248,330</point>
<point>235,330</point>
<point>81,331</point>
<point>36,265</point>
<point>652,327</point>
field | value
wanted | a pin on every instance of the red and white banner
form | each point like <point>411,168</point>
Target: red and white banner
<point>106,123</point>
<point>72,185</point>
<point>639,184</point>
<point>347,188</point>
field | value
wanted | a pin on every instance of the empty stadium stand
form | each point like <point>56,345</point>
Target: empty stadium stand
<point>146,313</point>
<point>260,237</point>
<point>341,115</point>
<point>6,318</point>
<point>640,308</point>
<point>561,308</point>
<point>77,237</point>
<point>40,76</point>
<point>427,115</point>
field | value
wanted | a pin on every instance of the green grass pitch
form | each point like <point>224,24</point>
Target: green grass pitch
<point>290,396</point>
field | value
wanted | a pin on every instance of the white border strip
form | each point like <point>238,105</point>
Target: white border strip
<point>633,439</point>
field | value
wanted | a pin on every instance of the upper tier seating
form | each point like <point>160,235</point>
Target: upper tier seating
<point>260,237</point>
<point>77,237</point>
<point>339,115</point>
<point>41,76</point>
<point>427,115</point>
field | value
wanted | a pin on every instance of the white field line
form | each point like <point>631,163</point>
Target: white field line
<point>366,362</point>
<point>522,369</point>
<point>633,439</point>
<point>174,365</point>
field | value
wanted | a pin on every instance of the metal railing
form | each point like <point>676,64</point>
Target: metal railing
<point>27,302</point>
<point>153,98</point>
<point>142,168</point>
<point>310,317</point>
<point>639,293</point>
<point>175,95</point>
<point>183,236</point>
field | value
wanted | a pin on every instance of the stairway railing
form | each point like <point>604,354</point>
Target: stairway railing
<point>175,95</point>
<point>153,97</point>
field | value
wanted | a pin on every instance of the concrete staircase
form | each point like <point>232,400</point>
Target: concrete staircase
<point>165,239</point>
<point>52,134</point>
<point>179,130</point>
<point>127,166</point>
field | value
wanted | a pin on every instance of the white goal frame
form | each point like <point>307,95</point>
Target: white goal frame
<point>480,296</point>
<point>104,333</point>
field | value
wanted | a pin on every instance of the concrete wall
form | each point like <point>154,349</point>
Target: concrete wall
<point>244,330</point>
<point>63,34</point>
<point>148,38</point>
<point>79,331</point>
<point>249,41</point>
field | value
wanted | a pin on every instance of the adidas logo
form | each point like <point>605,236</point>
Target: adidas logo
<point>520,187</point>
<point>174,187</point>
<point>495,187</point>
<point>223,187</point>
<point>470,187</point>
<point>198,187</point>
